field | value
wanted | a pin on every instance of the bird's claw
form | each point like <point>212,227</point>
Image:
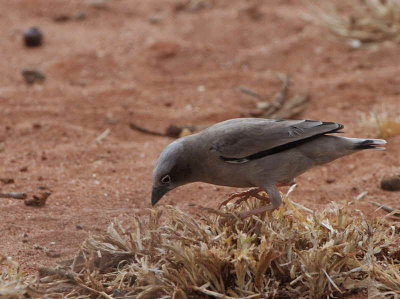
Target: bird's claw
<point>243,195</point>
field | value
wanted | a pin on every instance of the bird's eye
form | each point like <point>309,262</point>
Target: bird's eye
<point>166,179</point>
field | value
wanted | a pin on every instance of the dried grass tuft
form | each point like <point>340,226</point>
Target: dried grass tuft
<point>364,21</point>
<point>13,284</point>
<point>385,124</point>
<point>290,253</point>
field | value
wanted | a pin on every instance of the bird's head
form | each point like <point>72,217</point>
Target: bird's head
<point>173,169</point>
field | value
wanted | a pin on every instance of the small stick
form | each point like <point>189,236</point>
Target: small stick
<point>15,195</point>
<point>385,208</point>
<point>250,92</point>
<point>103,136</point>
<point>136,127</point>
<point>219,295</point>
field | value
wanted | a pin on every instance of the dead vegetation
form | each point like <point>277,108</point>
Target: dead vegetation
<point>363,21</point>
<point>293,252</point>
<point>281,106</point>
<point>384,124</point>
<point>12,283</point>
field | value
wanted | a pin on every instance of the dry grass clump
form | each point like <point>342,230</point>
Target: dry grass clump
<point>291,253</point>
<point>385,125</point>
<point>13,284</point>
<point>365,21</point>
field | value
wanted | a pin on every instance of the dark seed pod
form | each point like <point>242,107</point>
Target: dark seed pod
<point>33,37</point>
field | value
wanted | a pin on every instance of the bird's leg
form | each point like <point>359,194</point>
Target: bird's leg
<point>276,201</point>
<point>243,195</point>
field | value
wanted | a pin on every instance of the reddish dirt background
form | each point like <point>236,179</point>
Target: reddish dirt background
<point>145,61</point>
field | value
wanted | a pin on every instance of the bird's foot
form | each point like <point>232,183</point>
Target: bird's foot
<point>243,195</point>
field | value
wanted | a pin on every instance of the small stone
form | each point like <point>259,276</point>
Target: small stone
<point>330,181</point>
<point>391,183</point>
<point>80,16</point>
<point>79,226</point>
<point>355,43</point>
<point>32,76</point>
<point>33,37</point>
<point>155,19</point>
<point>23,169</point>
<point>99,4</point>
<point>38,247</point>
<point>53,253</point>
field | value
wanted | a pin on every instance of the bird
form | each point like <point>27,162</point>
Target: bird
<point>262,154</point>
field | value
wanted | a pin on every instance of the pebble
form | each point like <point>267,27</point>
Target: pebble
<point>33,37</point>
<point>391,183</point>
<point>32,76</point>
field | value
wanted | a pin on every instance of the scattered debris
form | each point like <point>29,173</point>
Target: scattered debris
<point>52,253</point>
<point>7,181</point>
<point>173,131</point>
<point>32,76</point>
<point>13,283</point>
<point>103,136</point>
<point>14,195</point>
<point>281,106</point>
<point>38,200</point>
<point>253,12</point>
<point>193,5</point>
<point>81,15</point>
<point>361,21</point>
<point>155,19</point>
<point>23,169</point>
<point>386,208</point>
<point>384,121</point>
<point>99,4</point>
<point>361,195</point>
<point>38,247</point>
<point>36,126</point>
<point>33,37</point>
<point>44,188</point>
<point>391,183</point>
<point>62,18</point>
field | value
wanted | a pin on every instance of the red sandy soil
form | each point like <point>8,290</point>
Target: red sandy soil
<point>119,65</point>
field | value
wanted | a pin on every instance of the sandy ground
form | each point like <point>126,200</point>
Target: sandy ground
<point>148,62</point>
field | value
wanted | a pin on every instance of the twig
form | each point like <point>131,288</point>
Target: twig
<point>385,208</point>
<point>103,136</point>
<point>15,195</point>
<point>361,195</point>
<point>250,92</point>
<point>136,127</point>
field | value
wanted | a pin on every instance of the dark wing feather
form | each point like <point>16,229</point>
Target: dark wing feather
<point>243,137</point>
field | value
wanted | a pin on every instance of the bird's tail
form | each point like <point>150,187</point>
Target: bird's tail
<point>362,143</point>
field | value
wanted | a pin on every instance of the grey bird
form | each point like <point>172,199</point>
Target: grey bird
<point>253,152</point>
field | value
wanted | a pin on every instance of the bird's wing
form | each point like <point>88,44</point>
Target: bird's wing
<point>241,138</point>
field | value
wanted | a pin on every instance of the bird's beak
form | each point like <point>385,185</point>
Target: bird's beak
<point>158,193</point>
